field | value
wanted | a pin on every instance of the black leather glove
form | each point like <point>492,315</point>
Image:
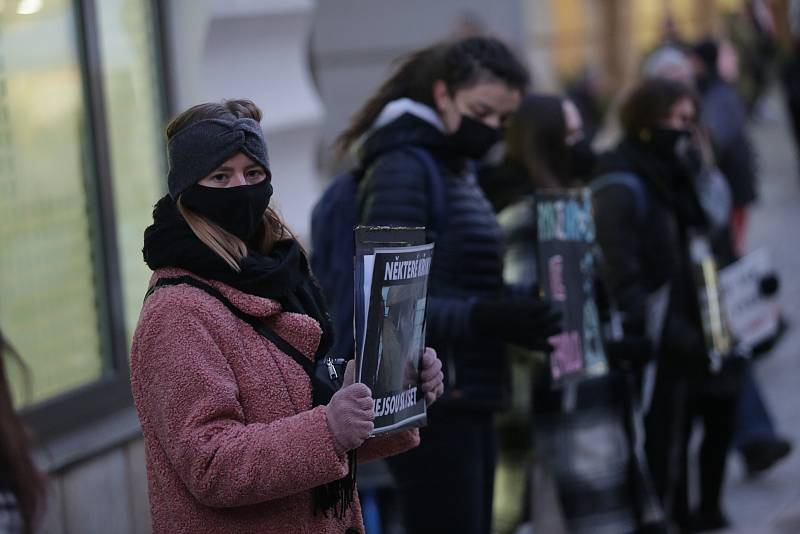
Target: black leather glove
<point>630,352</point>
<point>524,321</point>
<point>769,285</point>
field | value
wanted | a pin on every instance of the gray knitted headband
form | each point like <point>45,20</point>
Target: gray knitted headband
<point>197,150</point>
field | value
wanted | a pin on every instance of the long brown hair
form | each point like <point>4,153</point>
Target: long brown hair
<point>460,64</point>
<point>226,245</point>
<point>536,140</point>
<point>26,481</point>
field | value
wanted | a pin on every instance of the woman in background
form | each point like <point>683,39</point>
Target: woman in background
<point>446,104</point>
<point>545,149</point>
<point>21,485</point>
<point>647,210</point>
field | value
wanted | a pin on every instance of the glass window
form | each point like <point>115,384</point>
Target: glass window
<point>48,276</point>
<point>133,104</point>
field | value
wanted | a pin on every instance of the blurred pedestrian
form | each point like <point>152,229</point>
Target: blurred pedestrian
<point>241,434</point>
<point>753,34</point>
<point>645,216</point>
<point>756,438</point>
<point>450,101</point>
<point>725,118</point>
<point>669,62</point>
<point>22,488</point>
<point>590,94</point>
<point>790,77</point>
<point>546,147</point>
<point>607,488</point>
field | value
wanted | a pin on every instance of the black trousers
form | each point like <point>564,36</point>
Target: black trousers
<point>447,483</point>
<point>677,403</point>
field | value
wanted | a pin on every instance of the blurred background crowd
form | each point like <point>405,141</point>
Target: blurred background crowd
<point>86,87</point>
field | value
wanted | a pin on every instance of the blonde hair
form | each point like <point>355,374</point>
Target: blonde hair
<point>226,245</point>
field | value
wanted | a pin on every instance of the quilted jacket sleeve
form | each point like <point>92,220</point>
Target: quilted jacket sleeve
<point>394,192</point>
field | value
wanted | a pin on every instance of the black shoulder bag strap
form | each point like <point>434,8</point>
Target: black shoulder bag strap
<point>337,495</point>
<point>321,391</point>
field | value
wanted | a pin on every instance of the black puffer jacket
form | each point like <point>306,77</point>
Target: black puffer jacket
<point>643,253</point>
<point>467,260</point>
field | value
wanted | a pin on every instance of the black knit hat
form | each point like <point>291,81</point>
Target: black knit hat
<point>198,149</point>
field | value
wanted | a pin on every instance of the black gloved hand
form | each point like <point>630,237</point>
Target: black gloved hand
<point>524,321</point>
<point>769,285</point>
<point>630,352</point>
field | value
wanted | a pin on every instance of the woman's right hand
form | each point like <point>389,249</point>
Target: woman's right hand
<point>350,417</point>
<point>526,321</point>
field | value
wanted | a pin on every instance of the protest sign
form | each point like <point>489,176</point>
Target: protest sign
<point>392,283</point>
<point>706,277</point>
<point>753,318</point>
<point>566,261</point>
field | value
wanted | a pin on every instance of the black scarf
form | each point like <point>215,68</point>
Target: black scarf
<point>283,275</point>
<point>669,178</point>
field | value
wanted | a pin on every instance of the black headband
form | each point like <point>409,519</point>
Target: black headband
<point>198,149</point>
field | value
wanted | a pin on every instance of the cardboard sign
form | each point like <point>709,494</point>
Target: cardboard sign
<point>752,317</point>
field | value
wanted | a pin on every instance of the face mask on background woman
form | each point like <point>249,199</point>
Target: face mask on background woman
<point>473,117</point>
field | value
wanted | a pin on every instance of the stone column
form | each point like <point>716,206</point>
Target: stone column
<point>256,49</point>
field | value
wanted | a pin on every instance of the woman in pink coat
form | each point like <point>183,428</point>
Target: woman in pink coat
<point>240,436</point>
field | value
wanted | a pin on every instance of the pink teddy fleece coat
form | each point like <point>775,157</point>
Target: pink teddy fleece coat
<point>231,440</point>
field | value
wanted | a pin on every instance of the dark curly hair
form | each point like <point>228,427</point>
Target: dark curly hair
<point>459,64</point>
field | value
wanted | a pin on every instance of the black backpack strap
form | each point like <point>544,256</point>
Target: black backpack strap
<point>257,325</point>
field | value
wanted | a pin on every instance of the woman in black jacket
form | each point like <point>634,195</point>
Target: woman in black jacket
<point>450,100</point>
<point>545,149</point>
<point>646,208</point>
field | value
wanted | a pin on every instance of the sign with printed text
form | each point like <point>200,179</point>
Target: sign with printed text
<point>391,299</point>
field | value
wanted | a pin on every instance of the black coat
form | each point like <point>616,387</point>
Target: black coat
<point>790,78</point>
<point>643,254</point>
<point>725,117</point>
<point>467,262</point>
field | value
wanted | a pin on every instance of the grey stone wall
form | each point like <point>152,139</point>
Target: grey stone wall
<point>106,494</point>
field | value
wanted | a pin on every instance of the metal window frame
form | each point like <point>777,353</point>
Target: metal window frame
<point>77,410</point>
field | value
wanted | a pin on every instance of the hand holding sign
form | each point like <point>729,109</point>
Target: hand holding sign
<point>350,417</point>
<point>431,376</point>
<point>349,373</point>
<point>524,321</point>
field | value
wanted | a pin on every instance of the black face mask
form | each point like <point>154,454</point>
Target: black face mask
<point>669,142</point>
<point>473,138</point>
<point>239,210</point>
<point>581,159</point>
